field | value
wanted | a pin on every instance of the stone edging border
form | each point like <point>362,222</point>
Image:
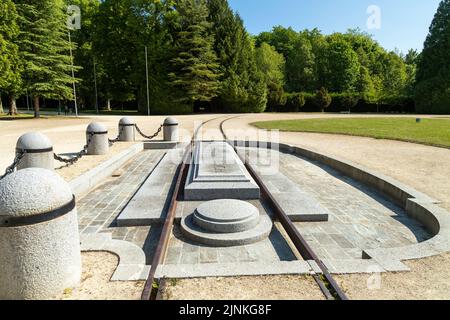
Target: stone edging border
<point>132,260</point>
<point>89,180</point>
<point>416,204</point>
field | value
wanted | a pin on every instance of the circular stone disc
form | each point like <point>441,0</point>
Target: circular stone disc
<point>225,211</point>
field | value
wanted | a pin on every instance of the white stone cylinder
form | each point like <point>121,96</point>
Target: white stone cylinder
<point>97,139</point>
<point>39,151</point>
<point>171,130</point>
<point>39,240</point>
<point>127,130</point>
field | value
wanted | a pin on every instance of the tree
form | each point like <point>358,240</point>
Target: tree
<point>44,47</point>
<point>433,70</point>
<point>322,99</point>
<point>10,62</point>
<point>84,54</point>
<point>393,74</point>
<point>340,68</point>
<point>271,64</point>
<point>281,38</point>
<point>195,67</point>
<point>350,101</point>
<point>301,71</point>
<point>294,102</point>
<point>364,85</point>
<point>115,49</point>
<point>242,87</point>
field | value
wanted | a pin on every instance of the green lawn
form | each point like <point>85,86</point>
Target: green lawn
<point>434,132</point>
<point>5,116</point>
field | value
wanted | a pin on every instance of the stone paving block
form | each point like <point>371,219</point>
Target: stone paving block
<point>129,273</point>
<point>129,253</point>
<point>91,230</point>
<point>352,266</point>
<point>208,255</point>
<point>149,204</point>
<point>217,172</point>
<point>315,267</point>
<point>94,241</point>
<point>324,239</point>
<point>342,241</point>
<point>234,269</point>
<point>173,255</point>
<point>190,258</point>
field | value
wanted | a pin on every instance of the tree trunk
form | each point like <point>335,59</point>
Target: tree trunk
<point>12,105</point>
<point>1,105</point>
<point>108,105</point>
<point>37,113</point>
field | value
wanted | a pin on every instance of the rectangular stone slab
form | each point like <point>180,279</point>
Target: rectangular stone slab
<point>299,205</point>
<point>217,172</point>
<point>150,203</point>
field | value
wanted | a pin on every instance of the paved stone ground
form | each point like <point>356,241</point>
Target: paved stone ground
<point>98,210</point>
<point>183,251</point>
<point>360,218</point>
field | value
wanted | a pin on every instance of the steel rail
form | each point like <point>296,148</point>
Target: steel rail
<point>168,224</point>
<point>327,284</point>
<point>151,289</point>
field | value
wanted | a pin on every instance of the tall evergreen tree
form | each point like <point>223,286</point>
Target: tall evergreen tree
<point>84,55</point>
<point>195,67</point>
<point>10,62</point>
<point>44,47</point>
<point>242,87</point>
<point>433,70</point>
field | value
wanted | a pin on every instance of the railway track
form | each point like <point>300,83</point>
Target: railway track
<point>152,285</point>
<point>325,281</point>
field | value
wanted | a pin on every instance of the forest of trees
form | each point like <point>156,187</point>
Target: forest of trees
<point>200,57</point>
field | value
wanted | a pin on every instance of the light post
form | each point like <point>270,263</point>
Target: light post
<point>73,77</point>
<point>95,86</point>
<point>146,73</point>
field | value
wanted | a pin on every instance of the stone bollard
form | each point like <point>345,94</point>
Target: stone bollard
<point>97,139</point>
<point>39,240</point>
<point>39,151</point>
<point>127,129</point>
<point>171,130</point>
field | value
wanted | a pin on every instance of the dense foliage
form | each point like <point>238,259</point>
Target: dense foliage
<point>433,74</point>
<point>200,57</point>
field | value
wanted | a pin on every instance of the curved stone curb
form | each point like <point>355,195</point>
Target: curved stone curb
<point>132,259</point>
<point>417,205</point>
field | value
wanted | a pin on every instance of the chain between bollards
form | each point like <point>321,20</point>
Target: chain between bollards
<point>112,141</point>
<point>78,156</point>
<point>14,165</point>
<point>149,137</point>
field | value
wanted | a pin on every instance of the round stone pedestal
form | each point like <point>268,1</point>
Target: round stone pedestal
<point>226,216</point>
<point>226,223</point>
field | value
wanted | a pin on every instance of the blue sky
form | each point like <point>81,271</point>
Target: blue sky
<point>404,23</point>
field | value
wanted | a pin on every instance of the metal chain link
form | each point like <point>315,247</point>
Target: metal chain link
<point>149,137</point>
<point>112,141</point>
<point>14,165</point>
<point>78,155</point>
